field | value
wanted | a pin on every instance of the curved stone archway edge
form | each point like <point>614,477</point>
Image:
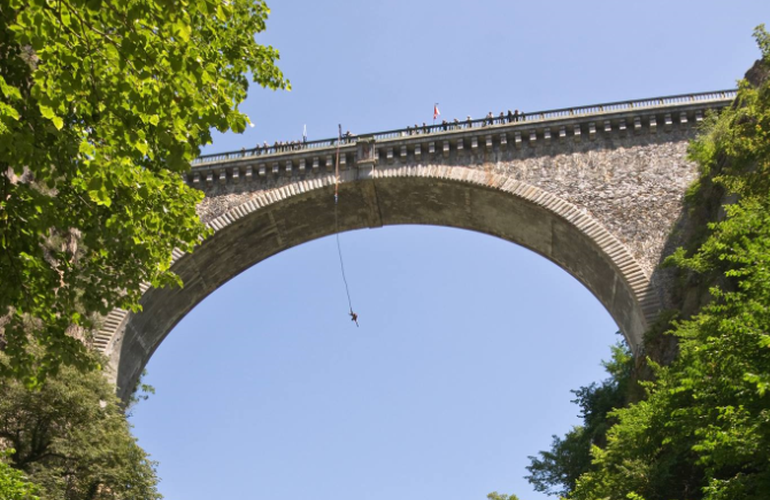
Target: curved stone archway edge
<point>462,197</point>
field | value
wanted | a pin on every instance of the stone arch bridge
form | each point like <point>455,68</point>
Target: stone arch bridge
<point>598,190</point>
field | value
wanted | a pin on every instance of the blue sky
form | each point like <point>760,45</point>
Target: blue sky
<point>468,345</point>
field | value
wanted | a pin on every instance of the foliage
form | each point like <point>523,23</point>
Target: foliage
<point>142,392</point>
<point>498,496</point>
<point>703,432</point>
<point>103,103</point>
<point>556,471</point>
<point>71,439</point>
<point>13,485</point>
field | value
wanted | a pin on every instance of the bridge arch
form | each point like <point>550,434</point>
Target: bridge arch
<point>597,189</point>
<point>453,196</point>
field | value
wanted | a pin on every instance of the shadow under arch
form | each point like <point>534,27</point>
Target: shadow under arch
<point>459,197</point>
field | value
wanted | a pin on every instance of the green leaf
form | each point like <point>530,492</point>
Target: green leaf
<point>9,91</point>
<point>9,111</point>
<point>47,111</point>
<point>183,30</point>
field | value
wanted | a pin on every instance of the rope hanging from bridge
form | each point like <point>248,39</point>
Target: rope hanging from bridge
<point>353,315</point>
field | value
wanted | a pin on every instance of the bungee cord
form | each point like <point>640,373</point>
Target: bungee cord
<point>353,315</point>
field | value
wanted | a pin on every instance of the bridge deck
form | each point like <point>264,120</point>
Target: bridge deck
<point>524,124</point>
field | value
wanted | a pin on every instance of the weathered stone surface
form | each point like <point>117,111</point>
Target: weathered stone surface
<point>597,194</point>
<point>633,186</point>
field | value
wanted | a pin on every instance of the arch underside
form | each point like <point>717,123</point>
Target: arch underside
<point>455,197</point>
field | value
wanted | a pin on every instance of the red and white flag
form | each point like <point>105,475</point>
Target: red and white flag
<point>436,112</point>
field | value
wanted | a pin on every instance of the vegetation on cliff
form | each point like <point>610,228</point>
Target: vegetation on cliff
<point>69,440</point>
<point>702,429</point>
<point>556,471</point>
<point>14,486</point>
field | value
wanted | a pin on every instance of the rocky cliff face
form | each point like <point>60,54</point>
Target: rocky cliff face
<point>705,206</point>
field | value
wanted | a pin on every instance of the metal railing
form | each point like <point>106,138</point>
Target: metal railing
<point>456,125</point>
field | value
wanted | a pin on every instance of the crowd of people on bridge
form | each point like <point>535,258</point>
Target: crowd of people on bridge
<point>489,120</point>
<point>278,146</point>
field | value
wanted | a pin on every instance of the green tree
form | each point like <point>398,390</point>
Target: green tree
<point>499,496</point>
<point>71,439</point>
<point>13,485</point>
<point>556,471</point>
<point>103,103</point>
<point>703,431</point>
